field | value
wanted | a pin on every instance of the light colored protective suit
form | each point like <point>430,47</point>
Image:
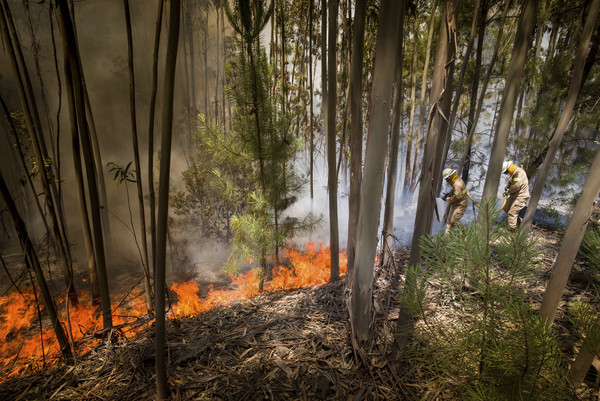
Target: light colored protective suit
<point>457,198</point>
<point>517,190</point>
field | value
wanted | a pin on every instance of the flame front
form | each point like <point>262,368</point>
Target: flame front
<point>25,346</point>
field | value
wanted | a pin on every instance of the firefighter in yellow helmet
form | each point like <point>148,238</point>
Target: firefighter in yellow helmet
<point>516,191</point>
<point>456,198</point>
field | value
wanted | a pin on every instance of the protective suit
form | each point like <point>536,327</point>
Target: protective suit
<point>517,192</point>
<point>456,198</point>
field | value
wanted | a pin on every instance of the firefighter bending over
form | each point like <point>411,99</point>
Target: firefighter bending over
<point>456,198</point>
<point>516,191</point>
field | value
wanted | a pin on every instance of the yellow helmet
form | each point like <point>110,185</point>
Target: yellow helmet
<point>508,167</point>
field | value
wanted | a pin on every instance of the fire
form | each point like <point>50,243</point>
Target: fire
<point>306,268</point>
<point>23,345</point>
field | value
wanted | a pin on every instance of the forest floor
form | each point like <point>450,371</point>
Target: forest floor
<point>288,345</point>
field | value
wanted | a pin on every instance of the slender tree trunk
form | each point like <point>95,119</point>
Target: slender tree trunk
<point>23,161</point>
<point>356,134</point>
<point>463,70</point>
<point>163,200</point>
<point>565,117</point>
<point>27,245</point>
<point>571,241</point>
<point>509,97</point>
<point>151,192</point>
<point>377,140</point>
<point>392,170</point>
<point>406,192</point>
<point>108,240</point>
<point>426,199</point>
<point>311,96</point>
<point>331,142</point>
<point>32,121</point>
<point>584,359</point>
<point>73,77</point>
<point>83,209</point>
<point>465,162</point>
<point>136,155</point>
<point>422,110</point>
<point>445,134</point>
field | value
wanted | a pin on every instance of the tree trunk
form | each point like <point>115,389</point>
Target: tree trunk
<point>425,204</point>
<point>356,133</point>
<point>509,97</point>
<point>377,141</point>
<point>584,359</point>
<point>571,241</point>
<point>311,95</point>
<point>108,241</point>
<point>465,162</point>
<point>37,141</point>
<point>422,110</point>
<point>406,192</point>
<point>163,200</point>
<point>445,134</point>
<point>136,156</point>
<point>463,70</point>
<point>83,209</point>
<point>331,142</point>
<point>392,170</point>
<point>73,66</point>
<point>30,253</point>
<point>151,192</point>
<point>565,117</point>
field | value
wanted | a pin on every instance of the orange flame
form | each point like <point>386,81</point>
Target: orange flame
<point>310,267</point>
<point>20,335</point>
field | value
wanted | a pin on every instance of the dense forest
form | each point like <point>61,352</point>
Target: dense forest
<point>300,199</point>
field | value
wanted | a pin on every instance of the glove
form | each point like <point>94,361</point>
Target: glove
<point>446,196</point>
<point>505,193</point>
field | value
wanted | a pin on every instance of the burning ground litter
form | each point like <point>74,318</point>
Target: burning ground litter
<point>286,345</point>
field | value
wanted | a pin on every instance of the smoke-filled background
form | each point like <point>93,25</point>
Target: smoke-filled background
<point>203,45</point>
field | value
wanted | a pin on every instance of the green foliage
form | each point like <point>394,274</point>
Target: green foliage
<point>241,181</point>
<point>590,249</point>
<point>215,183</point>
<point>486,341</point>
<point>583,318</point>
<point>122,173</point>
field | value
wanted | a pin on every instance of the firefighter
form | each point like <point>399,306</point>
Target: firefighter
<point>456,198</point>
<point>516,193</point>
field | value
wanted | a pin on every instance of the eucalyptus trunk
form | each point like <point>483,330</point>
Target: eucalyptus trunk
<point>83,209</point>
<point>406,191</point>
<point>29,250</point>
<point>566,115</point>
<point>356,133</point>
<point>465,162</point>
<point>331,143</point>
<point>509,97</point>
<point>163,199</point>
<point>584,359</point>
<point>73,77</point>
<point>461,77</point>
<point>423,97</point>
<point>445,134</point>
<point>392,11</point>
<point>392,167</point>
<point>108,240</point>
<point>151,113</point>
<point>136,156</point>
<point>571,242</point>
<point>426,200</point>
<point>35,134</point>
